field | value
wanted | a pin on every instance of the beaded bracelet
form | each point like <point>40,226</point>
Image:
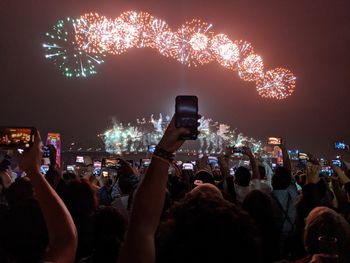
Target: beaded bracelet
<point>164,154</point>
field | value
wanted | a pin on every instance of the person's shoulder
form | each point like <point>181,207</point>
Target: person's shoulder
<point>293,189</point>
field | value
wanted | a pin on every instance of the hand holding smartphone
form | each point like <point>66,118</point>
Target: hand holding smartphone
<point>341,146</point>
<point>112,163</point>
<point>186,115</point>
<point>20,138</point>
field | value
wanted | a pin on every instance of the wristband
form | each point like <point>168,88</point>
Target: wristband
<point>162,159</point>
<point>159,152</point>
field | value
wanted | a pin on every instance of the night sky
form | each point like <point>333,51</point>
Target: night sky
<point>311,38</point>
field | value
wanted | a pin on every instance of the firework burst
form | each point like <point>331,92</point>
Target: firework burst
<point>278,83</point>
<point>77,47</point>
<point>61,48</point>
<point>192,42</point>
<point>251,68</point>
<point>225,51</point>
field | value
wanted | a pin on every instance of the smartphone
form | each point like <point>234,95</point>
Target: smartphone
<point>112,163</point>
<point>238,150</point>
<point>212,160</point>
<point>179,163</point>
<point>274,141</point>
<point>44,168</point>
<point>151,148</point>
<point>46,152</point>
<point>21,138</point>
<point>146,162</point>
<point>336,162</point>
<point>303,159</point>
<point>187,166</point>
<point>97,171</point>
<point>97,164</point>
<point>79,159</point>
<point>186,115</point>
<point>327,171</point>
<point>70,168</point>
<point>341,146</point>
<point>303,156</point>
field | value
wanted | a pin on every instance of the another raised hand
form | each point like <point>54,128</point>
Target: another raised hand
<point>313,173</point>
<point>149,201</point>
<point>61,229</point>
<point>253,162</point>
<point>286,161</point>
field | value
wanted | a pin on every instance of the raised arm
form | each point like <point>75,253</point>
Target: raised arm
<point>286,161</point>
<point>61,229</point>
<point>149,200</point>
<point>253,162</point>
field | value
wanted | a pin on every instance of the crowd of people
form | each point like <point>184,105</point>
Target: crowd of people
<point>167,214</point>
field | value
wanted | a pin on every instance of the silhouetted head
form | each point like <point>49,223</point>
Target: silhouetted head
<point>325,222</point>
<point>19,191</point>
<point>24,236</point>
<point>204,176</point>
<point>109,230</point>
<point>242,176</point>
<point>80,198</point>
<point>207,190</point>
<point>281,179</point>
<point>206,228</point>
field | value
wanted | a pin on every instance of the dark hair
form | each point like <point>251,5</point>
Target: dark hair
<point>80,198</point>
<point>127,183</point>
<point>281,179</point>
<point>204,176</point>
<point>207,229</point>
<point>109,230</point>
<point>259,207</point>
<point>19,191</point>
<point>68,176</point>
<point>177,188</point>
<point>24,238</point>
<point>242,176</point>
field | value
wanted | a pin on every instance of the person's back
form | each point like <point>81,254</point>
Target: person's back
<point>206,228</point>
<point>260,207</point>
<point>24,237</point>
<point>81,201</point>
<point>109,230</point>
<point>285,195</point>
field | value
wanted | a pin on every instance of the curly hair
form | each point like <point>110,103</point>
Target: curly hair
<point>204,228</point>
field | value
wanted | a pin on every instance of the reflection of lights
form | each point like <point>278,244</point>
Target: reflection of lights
<point>77,46</point>
<point>213,137</point>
